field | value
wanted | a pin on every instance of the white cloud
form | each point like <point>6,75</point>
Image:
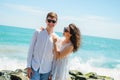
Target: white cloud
<point>101,27</point>
<point>22,15</point>
<point>88,24</point>
<point>94,25</point>
<point>31,10</point>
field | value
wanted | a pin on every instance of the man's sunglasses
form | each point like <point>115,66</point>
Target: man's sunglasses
<point>49,20</point>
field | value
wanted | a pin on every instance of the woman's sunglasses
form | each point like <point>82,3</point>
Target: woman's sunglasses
<point>66,30</point>
<point>49,20</point>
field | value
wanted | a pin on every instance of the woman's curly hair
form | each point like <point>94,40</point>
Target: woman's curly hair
<point>76,36</point>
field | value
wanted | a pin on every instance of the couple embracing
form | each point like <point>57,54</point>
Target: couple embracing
<point>48,54</point>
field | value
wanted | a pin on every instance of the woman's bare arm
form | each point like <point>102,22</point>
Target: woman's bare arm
<point>63,53</point>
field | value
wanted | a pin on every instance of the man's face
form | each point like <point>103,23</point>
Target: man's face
<point>51,22</point>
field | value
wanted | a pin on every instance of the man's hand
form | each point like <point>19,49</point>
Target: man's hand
<point>50,77</point>
<point>42,28</point>
<point>29,72</point>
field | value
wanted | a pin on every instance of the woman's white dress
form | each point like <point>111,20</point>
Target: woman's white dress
<point>60,70</point>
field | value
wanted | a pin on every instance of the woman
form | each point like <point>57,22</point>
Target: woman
<point>62,50</point>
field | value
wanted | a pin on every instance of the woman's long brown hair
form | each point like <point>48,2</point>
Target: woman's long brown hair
<point>76,36</point>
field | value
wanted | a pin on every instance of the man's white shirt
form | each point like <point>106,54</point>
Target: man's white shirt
<point>40,54</point>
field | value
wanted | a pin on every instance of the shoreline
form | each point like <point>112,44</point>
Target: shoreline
<point>83,68</point>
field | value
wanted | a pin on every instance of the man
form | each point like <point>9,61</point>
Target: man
<point>40,54</point>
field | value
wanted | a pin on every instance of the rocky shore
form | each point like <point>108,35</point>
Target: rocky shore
<point>20,74</point>
<point>77,75</point>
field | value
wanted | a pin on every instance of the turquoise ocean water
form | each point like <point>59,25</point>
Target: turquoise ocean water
<point>95,53</point>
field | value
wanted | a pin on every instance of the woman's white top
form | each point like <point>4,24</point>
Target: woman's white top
<point>61,66</point>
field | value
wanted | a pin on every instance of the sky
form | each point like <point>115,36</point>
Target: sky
<point>93,17</point>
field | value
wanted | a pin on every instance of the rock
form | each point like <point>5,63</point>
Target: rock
<point>13,77</point>
<point>105,78</point>
<point>20,74</point>
<point>92,75</point>
<point>2,78</point>
<point>5,77</point>
<point>1,73</point>
<point>18,70</point>
<point>80,77</point>
<point>77,75</point>
<point>75,72</point>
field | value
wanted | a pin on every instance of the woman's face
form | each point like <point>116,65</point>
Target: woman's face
<point>66,32</point>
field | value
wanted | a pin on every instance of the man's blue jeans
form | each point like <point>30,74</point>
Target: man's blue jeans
<point>38,76</point>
